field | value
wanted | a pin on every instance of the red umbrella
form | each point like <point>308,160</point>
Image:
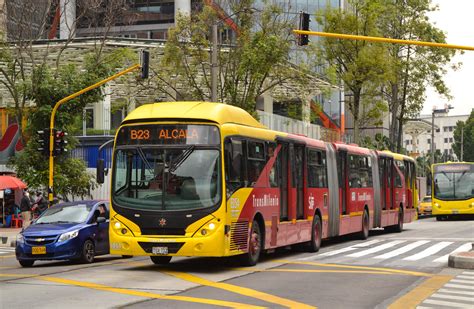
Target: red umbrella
<point>10,182</point>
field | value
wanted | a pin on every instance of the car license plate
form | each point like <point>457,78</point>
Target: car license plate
<point>159,250</point>
<point>38,250</point>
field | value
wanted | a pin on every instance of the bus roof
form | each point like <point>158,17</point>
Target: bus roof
<point>206,111</point>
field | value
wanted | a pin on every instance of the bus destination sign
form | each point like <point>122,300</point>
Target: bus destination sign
<point>168,134</point>
<point>453,168</point>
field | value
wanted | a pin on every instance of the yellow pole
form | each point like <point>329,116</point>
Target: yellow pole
<point>382,40</point>
<point>64,100</point>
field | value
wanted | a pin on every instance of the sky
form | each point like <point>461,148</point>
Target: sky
<point>455,18</point>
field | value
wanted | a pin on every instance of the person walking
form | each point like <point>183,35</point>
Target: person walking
<point>25,208</point>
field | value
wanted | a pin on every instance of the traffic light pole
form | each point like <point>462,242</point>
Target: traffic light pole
<point>53,114</point>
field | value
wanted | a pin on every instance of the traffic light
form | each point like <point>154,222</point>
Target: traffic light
<point>303,25</point>
<point>43,141</point>
<point>144,63</point>
<point>59,142</point>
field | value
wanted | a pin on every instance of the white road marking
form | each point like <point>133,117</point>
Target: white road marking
<point>376,249</point>
<point>444,258</point>
<point>402,250</point>
<point>459,286</point>
<point>465,277</point>
<point>429,251</point>
<point>454,297</point>
<point>447,303</point>
<point>456,292</point>
<point>471,282</point>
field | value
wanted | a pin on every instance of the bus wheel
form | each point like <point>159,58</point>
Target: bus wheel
<point>255,246</point>
<point>159,260</point>
<point>364,234</point>
<point>316,235</point>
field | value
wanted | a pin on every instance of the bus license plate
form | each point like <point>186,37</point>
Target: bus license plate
<point>38,250</point>
<point>455,211</point>
<point>159,250</point>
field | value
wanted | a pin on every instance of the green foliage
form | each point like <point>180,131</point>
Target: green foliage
<point>254,62</point>
<point>48,86</point>
<point>468,139</point>
<point>380,142</point>
<point>361,65</point>
<point>414,67</point>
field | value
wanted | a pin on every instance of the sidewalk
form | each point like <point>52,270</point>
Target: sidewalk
<point>8,236</point>
<point>463,260</point>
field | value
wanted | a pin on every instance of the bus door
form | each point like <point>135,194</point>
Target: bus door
<point>383,182</point>
<point>342,172</point>
<point>390,166</point>
<point>298,179</point>
<point>408,182</point>
<point>284,179</point>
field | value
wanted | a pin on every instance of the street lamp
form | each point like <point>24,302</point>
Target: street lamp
<point>446,108</point>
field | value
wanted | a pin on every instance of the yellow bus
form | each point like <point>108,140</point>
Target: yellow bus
<point>207,179</point>
<point>452,189</point>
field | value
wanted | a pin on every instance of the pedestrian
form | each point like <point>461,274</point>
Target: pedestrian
<point>25,208</point>
<point>40,202</point>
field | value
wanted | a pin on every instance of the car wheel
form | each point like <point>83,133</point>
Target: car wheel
<point>159,260</point>
<point>26,263</point>
<point>88,252</point>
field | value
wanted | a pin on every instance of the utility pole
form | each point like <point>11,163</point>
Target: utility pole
<point>214,67</point>
<point>462,143</point>
<point>432,137</point>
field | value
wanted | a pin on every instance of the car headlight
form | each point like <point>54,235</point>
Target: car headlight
<point>68,235</point>
<point>20,239</point>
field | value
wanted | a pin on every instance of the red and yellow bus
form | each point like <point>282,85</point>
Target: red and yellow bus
<point>207,179</point>
<point>453,189</point>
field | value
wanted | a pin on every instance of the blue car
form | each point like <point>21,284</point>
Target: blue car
<point>67,231</point>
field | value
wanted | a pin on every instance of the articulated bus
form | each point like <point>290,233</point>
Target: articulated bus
<point>207,179</point>
<point>453,189</point>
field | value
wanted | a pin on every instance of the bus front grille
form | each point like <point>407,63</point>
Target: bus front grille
<point>239,232</point>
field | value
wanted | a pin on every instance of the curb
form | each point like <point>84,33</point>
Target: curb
<point>6,241</point>
<point>463,260</point>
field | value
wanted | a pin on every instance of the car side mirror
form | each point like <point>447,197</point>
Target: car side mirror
<point>101,220</point>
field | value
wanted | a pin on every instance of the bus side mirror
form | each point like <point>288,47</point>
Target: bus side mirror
<point>100,171</point>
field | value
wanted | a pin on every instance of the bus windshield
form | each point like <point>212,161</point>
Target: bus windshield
<point>167,178</point>
<point>454,183</point>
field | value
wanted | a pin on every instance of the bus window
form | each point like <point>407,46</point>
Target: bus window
<point>256,161</point>
<point>233,156</point>
<point>273,177</point>
<point>317,172</point>
<point>354,177</point>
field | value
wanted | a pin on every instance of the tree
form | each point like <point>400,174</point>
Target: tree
<point>362,66</point>
<point>36,78</point>
<point>413,67</point>
<point>468,139</point>
<point>253,62</point>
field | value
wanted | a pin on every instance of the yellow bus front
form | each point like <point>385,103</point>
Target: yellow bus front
<point>167,192</point>
<point>453,189</point>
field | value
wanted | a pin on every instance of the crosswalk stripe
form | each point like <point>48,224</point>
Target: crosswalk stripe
<point>459,286</point>
<point>444,258</point>
<point>376,249</point>
<point>468,272</point>
<point>350,248</point>
<point>447,303</point>
<point>402,250</point>
<point>423,307</point>
<point>456,292</point>
<point>465,277</point>
<point>454,297</point>
<point>471,282</point>
<point>429,251</point>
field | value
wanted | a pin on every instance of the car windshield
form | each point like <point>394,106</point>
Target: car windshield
<point>65,214</point>
<point>454,185</point>
<point>427,199</point>
<point>164,178</point>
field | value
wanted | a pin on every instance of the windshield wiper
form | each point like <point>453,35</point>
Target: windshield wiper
<point>181,158</point>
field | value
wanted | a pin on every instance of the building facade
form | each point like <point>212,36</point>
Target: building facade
<point>445,125</point>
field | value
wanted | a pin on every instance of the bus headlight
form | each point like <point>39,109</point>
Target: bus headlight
<point>437,205</point>
<point>117,225</point>
<point>212,226</point>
